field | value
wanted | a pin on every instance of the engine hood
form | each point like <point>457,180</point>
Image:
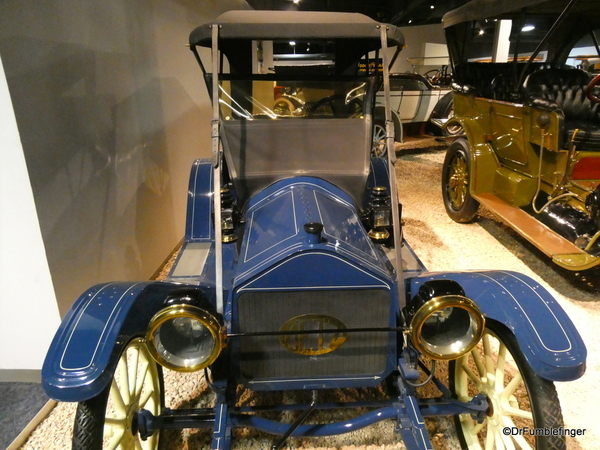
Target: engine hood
<point>275,232</point>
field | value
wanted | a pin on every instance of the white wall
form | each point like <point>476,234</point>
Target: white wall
<point>28,310</point>
<point>416,39</point>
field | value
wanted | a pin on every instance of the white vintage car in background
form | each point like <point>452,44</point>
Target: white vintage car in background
<point>421,104</point>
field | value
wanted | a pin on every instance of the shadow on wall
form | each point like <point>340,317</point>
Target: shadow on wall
<point>111,109</point>
<point>96,138</point>
<point>99,170</point>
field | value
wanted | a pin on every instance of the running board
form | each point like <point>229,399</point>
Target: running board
<point>563,252</point>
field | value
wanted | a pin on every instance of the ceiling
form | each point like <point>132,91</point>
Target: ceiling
<point>397,12</point>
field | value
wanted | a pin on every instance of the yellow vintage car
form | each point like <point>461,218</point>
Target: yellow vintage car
<point>525,95</point>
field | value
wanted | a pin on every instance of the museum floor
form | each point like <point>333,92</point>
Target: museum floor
<point>20,402</point>
<point>442,245</point>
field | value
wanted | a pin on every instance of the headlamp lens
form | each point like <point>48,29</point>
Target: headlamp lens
<point>184,338</point>
<point>447,327</point>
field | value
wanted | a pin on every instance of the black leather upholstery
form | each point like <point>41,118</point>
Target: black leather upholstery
<point>563,90</point>
<point>477,77</point>
<point>493,80</point>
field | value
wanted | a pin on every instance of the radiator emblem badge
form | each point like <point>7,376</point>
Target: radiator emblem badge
<point>313,334</point>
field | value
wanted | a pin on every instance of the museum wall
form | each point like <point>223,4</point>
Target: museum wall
<point>111,110</point>
<point>24,274</point>
<point>417,39</point>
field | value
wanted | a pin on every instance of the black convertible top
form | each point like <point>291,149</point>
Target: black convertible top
<point>268,25</point>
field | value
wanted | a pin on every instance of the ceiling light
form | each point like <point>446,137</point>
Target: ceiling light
<point>432,6</point>
<point>481,32</point>
<point>296,1</point>
<point>528,28</point>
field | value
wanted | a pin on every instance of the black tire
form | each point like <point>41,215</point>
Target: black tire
<point>380,146</point>
<point>444,109</point>
<point>456,183</point>
<point>532,395</point>
<point>379,117</point>
<point>335,106</point>
<point>89,428</point>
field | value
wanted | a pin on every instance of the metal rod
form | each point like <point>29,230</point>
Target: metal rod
<point>374,404</point>
<point>544,40</point>
<point>216,154</point>
<point>247,417</point>
<point>593,33</point>
<point>277,444</point>
<point>391,154</point>
<point>324,331</point>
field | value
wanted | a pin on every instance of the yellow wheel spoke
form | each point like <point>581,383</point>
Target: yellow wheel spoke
<point>522,443</point>
<point>117,399</point>
<point>469,373</point>
<point>499,440</point>
<point>488,356</point>
<point>141,378</point>
<point>479,364</point>
<point>489,437</point>
<point>149,394</point>
<point>152,441</point>
<point>134,356</point>
<point>122,376</point>
<point>499,375</point>
<point>507,441</point>
<point>512,386</point>
<point>478,427</point>
<point>116,439</point>
<point>519,439</point>
<point>114,423</point>
<point>516,412</point>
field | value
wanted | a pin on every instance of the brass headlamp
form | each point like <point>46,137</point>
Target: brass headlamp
<point>183,336</point>
<point>444,323</point>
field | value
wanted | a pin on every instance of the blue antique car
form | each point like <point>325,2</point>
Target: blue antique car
<point>294,275</point>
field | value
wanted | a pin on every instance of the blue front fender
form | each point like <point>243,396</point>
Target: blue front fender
<point>87,345</point>
<point>546,335</point>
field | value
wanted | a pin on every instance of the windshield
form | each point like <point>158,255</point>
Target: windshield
<point>279,99</point>
<point>276,128</point>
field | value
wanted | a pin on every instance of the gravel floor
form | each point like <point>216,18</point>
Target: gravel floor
<point>442,245</point>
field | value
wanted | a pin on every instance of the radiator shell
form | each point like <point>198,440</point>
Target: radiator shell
<point>264,360</point>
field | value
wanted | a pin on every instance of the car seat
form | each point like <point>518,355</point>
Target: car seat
<point>564,91</point>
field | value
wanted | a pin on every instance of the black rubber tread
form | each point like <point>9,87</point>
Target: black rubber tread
<point>469,208</point>
<point>89,422</point>
<point>543,398</point>
<point>443,107</point>
<point>442,110</point>
<point>331,102</point>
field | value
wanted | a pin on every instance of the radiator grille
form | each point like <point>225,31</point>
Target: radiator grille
<point>362,354</point>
